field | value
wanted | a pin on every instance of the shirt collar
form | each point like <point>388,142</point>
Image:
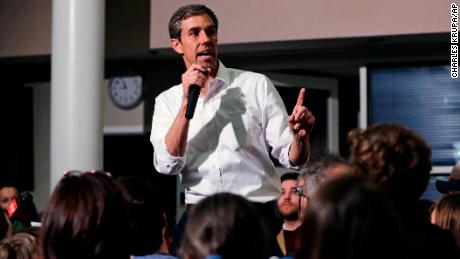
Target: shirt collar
<point>223,74</point>
<point>221,81</point>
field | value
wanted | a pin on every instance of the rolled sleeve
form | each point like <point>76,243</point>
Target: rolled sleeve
<point>165,111</point>
<point>164,162</point>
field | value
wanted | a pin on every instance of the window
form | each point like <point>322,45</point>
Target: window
<point>424,99</point>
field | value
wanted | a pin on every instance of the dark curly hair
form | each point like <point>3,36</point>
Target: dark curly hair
<point>394,156</point>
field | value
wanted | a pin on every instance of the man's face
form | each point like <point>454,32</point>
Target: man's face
<point>288,202</point>
<point>7,194</point>
<point>198,41</point>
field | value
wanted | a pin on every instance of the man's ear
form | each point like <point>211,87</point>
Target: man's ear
<point>177,46</point>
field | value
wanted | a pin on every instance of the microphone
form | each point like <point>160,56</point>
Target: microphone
<point>193,94</point>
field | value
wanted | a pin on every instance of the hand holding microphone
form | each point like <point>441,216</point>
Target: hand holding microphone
<point>195,77</point>
<point>193,94</point>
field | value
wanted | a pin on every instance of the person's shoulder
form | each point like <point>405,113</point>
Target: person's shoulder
<point>239,73</point>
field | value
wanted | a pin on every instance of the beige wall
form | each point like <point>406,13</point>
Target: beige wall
<point>270,20</point>
<point>25,27</point>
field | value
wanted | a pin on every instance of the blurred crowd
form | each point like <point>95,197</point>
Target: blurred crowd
<point>366,206</point>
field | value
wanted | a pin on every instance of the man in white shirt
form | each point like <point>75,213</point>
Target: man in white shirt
<point>239,120</point>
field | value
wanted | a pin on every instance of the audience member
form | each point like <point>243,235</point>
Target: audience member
<point>86,218</point>
<point>453,184</point>
<point>288,206</point>
<point>6,228</point>
<point>316,174</point>
<point>425,208</point>
<point>399,160</point>
<point>446,215</point>
<point>227,225</point>
<point>7,195</point>
<point>19,246</point>
<point>20,207</point>
<point>25,214</point>
<point>350,218</point>
<point>147,221</point>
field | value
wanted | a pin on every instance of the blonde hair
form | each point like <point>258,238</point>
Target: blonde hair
<point>446,215</point>
<point>19,246</point>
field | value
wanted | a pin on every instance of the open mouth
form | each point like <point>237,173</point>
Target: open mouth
<point>205,54</point>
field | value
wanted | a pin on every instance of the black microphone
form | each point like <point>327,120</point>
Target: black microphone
<point>193,94</point>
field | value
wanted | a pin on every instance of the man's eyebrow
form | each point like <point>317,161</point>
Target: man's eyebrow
<point>212,26</point>
<point>193,28</point>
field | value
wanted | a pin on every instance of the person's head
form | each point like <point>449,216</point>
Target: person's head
<point>451,185</point>
<point>446,215</point>
<point>350,218</point>
<point>224,224</point>
<point>395,157</point>
<point>193,34</point>
<point>7,194</point>
<point>86,217</point>
<point>19,246</point>
<point>146,216</point>
<point>317,173</point>
<point>6,228</point>
<point>288,202</point>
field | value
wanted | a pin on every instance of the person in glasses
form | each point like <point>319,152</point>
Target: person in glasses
<point>86,217</point>
<point>316,174</point>
<point>288,206</point>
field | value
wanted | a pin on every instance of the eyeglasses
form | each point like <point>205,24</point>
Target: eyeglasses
<point>299,191</point>
<point>80,173</point>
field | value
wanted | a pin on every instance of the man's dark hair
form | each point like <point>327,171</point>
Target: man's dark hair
<point>146,216</point>
<point>185,12</point>
<point>289,176</point>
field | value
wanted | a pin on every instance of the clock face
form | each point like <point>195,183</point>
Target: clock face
<point>126,91</point>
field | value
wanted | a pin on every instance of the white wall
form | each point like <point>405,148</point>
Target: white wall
<point>243,21</point>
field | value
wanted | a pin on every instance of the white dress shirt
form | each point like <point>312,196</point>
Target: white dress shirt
<point>236,125</point>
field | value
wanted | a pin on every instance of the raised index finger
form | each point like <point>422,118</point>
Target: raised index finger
<point>300,98</point>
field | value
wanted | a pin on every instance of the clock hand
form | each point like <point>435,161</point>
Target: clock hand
<point>124,84</point>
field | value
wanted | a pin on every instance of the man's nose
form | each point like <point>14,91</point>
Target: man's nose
<point>287,196</point>
<point>204,37</point>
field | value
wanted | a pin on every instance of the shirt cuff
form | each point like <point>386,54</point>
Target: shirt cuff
<point>166,163</point>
